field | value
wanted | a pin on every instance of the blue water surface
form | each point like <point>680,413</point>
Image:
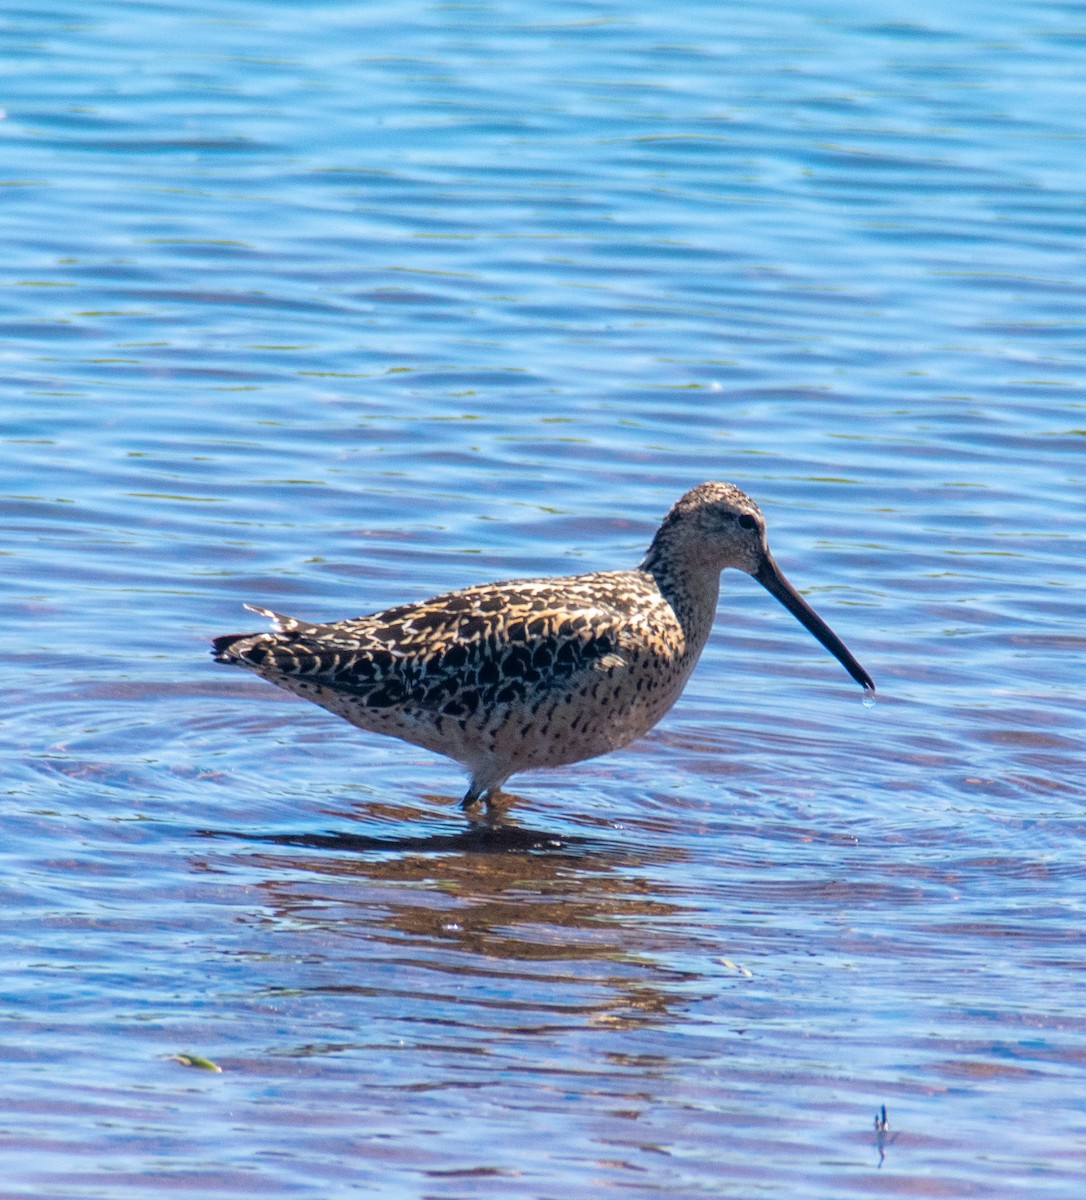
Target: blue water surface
<point>333,306</point>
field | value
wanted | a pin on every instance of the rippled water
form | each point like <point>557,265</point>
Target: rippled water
<point>337,305</point>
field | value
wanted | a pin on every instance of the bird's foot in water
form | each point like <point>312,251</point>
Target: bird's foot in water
<point>485,805</point>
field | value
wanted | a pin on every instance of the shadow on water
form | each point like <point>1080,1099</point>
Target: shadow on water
<point>478,838</point>
<point>560,923</point>
<point>409,829</point>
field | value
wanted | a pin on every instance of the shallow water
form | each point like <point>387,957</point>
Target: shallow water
<point>329,308</point>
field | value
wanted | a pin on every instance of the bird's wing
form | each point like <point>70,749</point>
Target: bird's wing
<point>474,649</point>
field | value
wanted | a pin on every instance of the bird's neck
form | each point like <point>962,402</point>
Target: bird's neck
<point>690,589</point>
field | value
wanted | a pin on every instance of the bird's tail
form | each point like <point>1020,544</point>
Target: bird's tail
<point>222,648</point>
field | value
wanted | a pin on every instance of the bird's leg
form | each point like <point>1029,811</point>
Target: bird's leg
<point>482,811</point>
<point>479,789</point>
<point>471,799</point>
<point>486,784</point>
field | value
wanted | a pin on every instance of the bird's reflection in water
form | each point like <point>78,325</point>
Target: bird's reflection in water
<point>569,922</point>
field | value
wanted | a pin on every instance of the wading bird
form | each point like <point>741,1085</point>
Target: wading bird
<point>507,677</point>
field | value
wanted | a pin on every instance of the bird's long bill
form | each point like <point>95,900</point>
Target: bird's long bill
<point>770,576</point>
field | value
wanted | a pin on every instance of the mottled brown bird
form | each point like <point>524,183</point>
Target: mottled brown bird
<point>507,677</point>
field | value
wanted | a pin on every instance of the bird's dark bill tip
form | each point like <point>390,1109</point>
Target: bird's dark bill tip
<point>860,675</point>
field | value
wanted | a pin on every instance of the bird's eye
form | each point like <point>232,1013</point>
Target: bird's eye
<point>746,521</point>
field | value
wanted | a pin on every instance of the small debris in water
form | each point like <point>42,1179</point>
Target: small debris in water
<point>727,962</point>
<point>196,1060</point>
<point>882,1128</point>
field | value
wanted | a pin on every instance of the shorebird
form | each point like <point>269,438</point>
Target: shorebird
<point>528,673</point>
